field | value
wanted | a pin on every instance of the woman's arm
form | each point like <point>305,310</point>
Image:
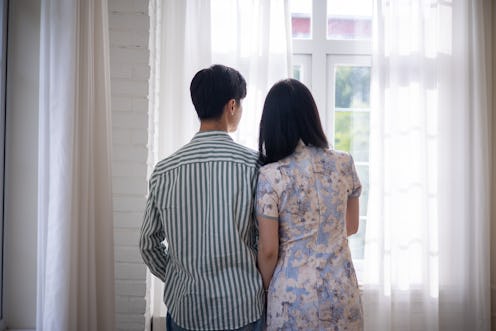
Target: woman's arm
<point>268,248</point>
<point>352,214</point>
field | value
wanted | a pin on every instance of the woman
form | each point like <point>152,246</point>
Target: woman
<point>307,205</point>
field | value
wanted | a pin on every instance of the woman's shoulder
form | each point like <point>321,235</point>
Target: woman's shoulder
<point>270,170</point>
<point>271,175</point>
<point>332,159</point>
<point>336,154</point>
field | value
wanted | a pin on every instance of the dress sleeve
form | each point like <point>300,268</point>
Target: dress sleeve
<point>267,200</point>
<point>356,188</point>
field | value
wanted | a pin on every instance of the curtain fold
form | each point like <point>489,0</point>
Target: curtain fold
<point>492,87</point>
<point>255,38</point>
<point>184,48</point>
<point>465,106</point>
<point>75,276</point>
<point>427,241</point>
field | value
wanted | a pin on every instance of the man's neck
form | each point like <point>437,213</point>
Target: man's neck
<point>213,125</point>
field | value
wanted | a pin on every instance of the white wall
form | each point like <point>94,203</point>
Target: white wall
<point>129,59</point>
<point>21,166</point>
<point>129,56</point>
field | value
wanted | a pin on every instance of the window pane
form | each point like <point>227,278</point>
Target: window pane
<point>352,133</point>
<point>302,66</point>
<point>363,174</point>
<point>356,242</point>
<point>301,18</point>
<point>349,20</point>
<point>297,72</point>
<point>352,87</point>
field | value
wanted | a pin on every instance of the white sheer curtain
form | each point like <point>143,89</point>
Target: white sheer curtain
<point>427,241</point>
<point>75,276</point>
<point>253,37</point>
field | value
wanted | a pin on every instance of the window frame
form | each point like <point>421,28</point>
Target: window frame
<point>318,57</point>
<point>318,50</point>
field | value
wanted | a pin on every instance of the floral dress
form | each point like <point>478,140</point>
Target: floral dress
<point>314,286</point>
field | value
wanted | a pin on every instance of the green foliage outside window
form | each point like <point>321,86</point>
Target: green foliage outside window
<point>352,87</point>
<point>351,127</point>
<point>351,134</point>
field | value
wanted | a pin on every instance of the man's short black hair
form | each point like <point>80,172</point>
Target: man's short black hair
<point>289,115</point>
<point>213,87</point>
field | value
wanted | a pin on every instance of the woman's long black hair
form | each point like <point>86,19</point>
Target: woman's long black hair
<point>289,114</point>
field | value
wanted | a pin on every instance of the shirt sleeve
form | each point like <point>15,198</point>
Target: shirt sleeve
<point>356,188</point>
<point>152,236</point>
<point>267,200</point>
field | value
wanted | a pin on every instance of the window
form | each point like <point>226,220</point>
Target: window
<point>333,57</point>
<point>350,90</point>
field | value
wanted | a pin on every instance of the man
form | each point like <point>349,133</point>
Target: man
<point>200,202</point>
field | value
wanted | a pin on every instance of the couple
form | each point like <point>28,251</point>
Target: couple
<point>222,268</point>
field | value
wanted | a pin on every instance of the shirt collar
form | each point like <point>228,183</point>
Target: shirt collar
<point>300,146</point>
<point>212,135</point>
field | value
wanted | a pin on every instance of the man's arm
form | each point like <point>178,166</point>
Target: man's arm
<point>151,240</point>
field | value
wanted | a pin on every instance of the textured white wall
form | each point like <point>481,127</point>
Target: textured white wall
<point>129,25</point>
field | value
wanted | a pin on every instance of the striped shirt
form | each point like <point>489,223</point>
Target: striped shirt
<point>201,203</point>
